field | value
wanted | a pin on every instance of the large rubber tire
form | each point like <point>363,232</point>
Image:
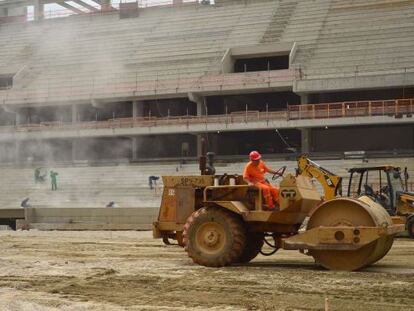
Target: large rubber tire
<point>254,243</point>
<point>214,237</point>
<point>410,227</point>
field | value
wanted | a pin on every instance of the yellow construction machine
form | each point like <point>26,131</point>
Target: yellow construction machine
<point>383,184</point>
<point>220,220</point>
<point>331,183</point>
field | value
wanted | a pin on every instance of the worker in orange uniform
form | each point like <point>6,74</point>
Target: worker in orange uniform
<point>254,175</point>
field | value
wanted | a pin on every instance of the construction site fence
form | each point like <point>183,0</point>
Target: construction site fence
<point>395,108</point>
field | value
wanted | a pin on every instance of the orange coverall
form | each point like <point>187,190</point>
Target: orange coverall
<point>255,174</point>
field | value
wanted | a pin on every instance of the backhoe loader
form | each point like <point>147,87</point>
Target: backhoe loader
<point>383,184</point>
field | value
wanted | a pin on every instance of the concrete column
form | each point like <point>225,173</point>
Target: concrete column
<point>17,148</point>
<point>74,140</point>
<point>74,113</point>
<point>4,12</point>
<point>19,118</point>
<point>214,144</point>
<point>201,145</point>
<point>137,109</point>
<point>74,149</point>
<point>134,148</point>
<point>305,132</point>
<point>38,10</point>
<point>137,112</point>
<point>304,99</point>
<point>106,5</point>
<point>201,103</point>
<point>306,140</point>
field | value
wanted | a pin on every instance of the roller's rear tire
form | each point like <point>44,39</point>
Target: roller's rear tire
<point>254,243</point>
<point>214,237</point>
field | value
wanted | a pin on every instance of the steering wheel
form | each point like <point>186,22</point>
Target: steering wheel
<point>279,172</point>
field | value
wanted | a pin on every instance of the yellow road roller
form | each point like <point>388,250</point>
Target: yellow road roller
<point>220,220</point>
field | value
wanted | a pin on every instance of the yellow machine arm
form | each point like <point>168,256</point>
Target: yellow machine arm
<point>406,203</point>
<point>331,183</point>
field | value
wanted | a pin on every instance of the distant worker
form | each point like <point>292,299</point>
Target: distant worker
<point>25,203</point>
<point>112,204</point>
<point>53,180</point>
<point>254,175</point>
<point>152,181</point>
<point>37,175</point>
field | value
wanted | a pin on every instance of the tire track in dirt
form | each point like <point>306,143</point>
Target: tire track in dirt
<point>130,271</point>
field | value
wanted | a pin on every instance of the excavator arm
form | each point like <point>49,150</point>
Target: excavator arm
<point>331,183</point>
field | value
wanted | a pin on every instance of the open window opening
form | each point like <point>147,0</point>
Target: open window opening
<point>6,82</point>
<point>260,57</point>
<point>262,63</point>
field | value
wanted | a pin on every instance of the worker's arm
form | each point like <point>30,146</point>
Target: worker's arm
<point>268,170</point>
<point>246,176</point>
<point>271,171</point>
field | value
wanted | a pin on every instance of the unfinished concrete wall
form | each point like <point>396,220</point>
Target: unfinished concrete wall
<point>363,138</point>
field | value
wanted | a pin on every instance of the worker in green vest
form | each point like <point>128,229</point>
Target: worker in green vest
<point>53,180</point>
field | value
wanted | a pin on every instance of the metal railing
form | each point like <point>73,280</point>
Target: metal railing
<point>150,121</point>
<point>351,109</point>
<point>395,108</point>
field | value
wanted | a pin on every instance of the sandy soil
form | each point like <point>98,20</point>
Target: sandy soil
<point>131,271</point>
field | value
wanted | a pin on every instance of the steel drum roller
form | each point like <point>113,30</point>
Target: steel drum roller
<point>363,212</point>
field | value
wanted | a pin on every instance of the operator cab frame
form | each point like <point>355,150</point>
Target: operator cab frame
<point>388,190</point>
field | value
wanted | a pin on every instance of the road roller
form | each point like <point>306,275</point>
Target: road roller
<point>220,220</point>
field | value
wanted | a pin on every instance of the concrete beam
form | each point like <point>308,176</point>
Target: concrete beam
<point>69,7</point>
<point>359,82</point>
<point>86,6</point>
<point>203,128</point>
<point>262,50</point>
<point>15,3</point>
<point>227,84</point>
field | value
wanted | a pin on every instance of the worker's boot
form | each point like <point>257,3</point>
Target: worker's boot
<point>268,206</point>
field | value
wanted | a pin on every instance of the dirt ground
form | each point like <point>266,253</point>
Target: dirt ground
<point>131,271</point>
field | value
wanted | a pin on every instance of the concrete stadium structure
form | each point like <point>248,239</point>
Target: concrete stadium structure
<point>130,83</point>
